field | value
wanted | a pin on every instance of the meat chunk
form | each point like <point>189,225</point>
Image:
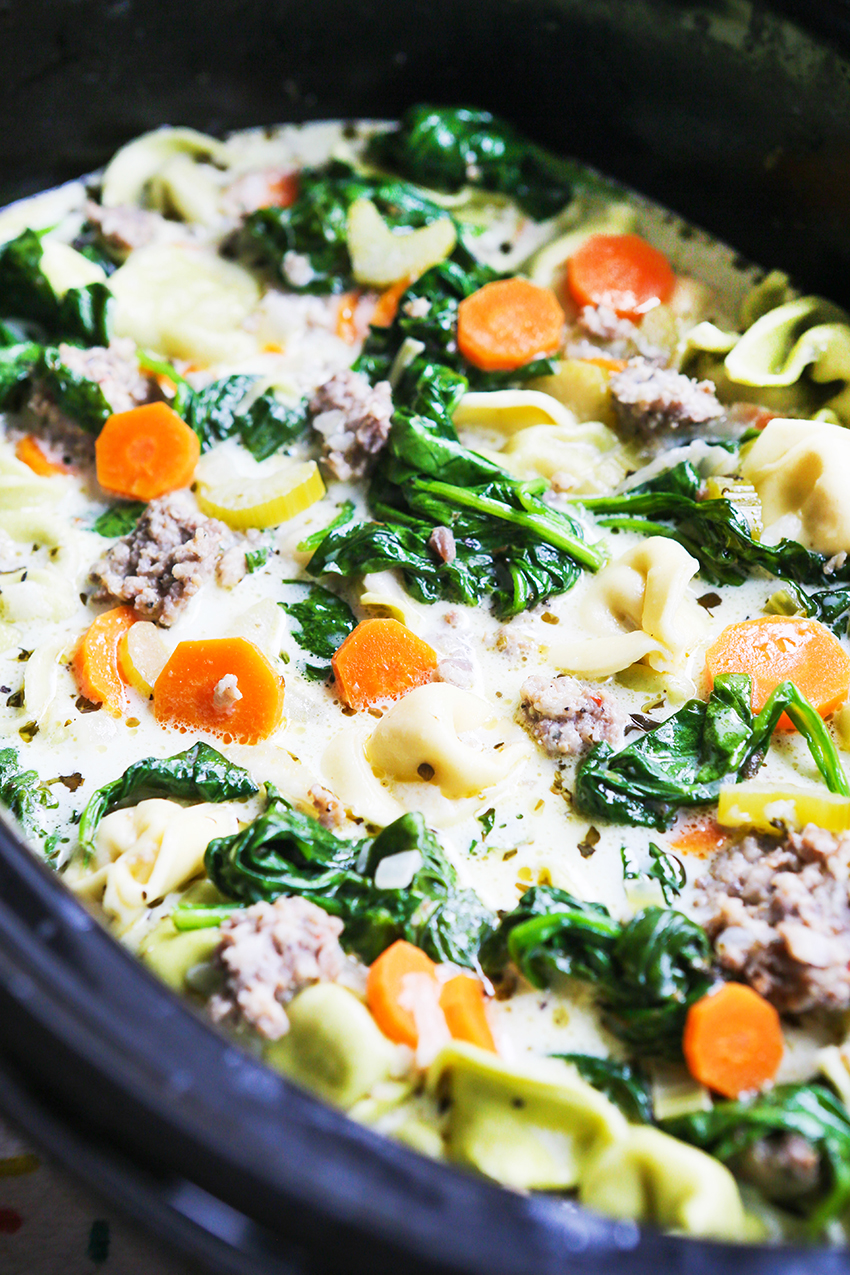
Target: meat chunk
<point>783,1168</point>
<point>124,227</point>
<point>566,717</point>
<point>354,419</point>
<point>442,541</point>
<point>163,562</point>
<point>329,808</point>
<point>270,952</point>
<point>649,400</point>
<point>778,915</point>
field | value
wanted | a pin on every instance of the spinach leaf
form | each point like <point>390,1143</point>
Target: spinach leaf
<point>286,852</point>
<point>212,411</point>
<point>78,397</point>
<point>25,293</point>
<point>830,606</point>
<point>23,793</point>
<point>315,226</point>
<point>119,520</point>
<point>256,558</point>
<point>688,758</point>
<point>714,531</point>
<point>325,622</point>
<point>438,293</point>
<point>16,368</point>
<point>646,971</point>
<point>198,774</point>
<point>811,1111</point>
<point>447,148</point>
<point>665,868</point>
<point>625,1085</point>
<point>268,426</point>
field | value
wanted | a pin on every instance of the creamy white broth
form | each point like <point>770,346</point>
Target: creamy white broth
<point>290,343</point>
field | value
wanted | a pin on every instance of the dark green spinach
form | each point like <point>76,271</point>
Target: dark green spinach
<point>25,293</point>
<point>198,774</point>
<point>23,793</point>
<point>688,758</point>
<point>287,852</point>
<point>811,1111</point>
<point>324,620</point>
<point>447,148</point>
<point>76,396</point>
<point>647,972</point>
<point>17,363</point>
<point>664,868</point>
<point>119,520</point>
<point>624,1084</point>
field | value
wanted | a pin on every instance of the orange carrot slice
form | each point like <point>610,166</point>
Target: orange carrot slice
<point>776,648</point>
<point>346,328</point>
<point>146,452</point>
<point>222,685</point>
<point>607,365</point>
<point>462,1002</point>
<point>386,307</point>
<point>507,324</point>
<point>620,271</point>
<point>29,451</point>
<point>95,662</point>
<point>385,986</point>
<point>381,660</point>
<point>733,1040</point>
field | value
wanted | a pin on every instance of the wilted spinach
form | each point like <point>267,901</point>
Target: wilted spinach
<point>16,368</point>
<point>198,774</point>
<point>25,293</point>
<point>688,758</point>
<point>287,852</point>
<point>23,793</point>
<point>119,520</point>
<point>830,606</point>
<point>325,622</point>
<point>714,531</point>
<point>78,397</point>
<point>646,971</point>
<point>447,148</point>
<point>625,1085</point>
<point>664,868</point>
<point>811,1111</point>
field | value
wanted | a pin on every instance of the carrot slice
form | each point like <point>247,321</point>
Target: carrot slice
<point>381,660</point>
<point>733,1040</point>
<point>146,452</point>
<point>386,307</point>
<point>222,685</point>
<point>385,986</point>
<point>462,1002</point>
<point>607,365</point>
<point>507,324</point>
<point>31,454</point>
<point>776,648</point>
<point>95,662</point>
<point>346,328</point>
<point>620,271</point>
<point>282,190</point>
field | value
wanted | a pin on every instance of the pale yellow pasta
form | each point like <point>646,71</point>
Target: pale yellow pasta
<point>424,730</point>
<point>380,256</point>
<point>37,593</point>
<point>586,459</point>
<point>127,175</point>
<point>507,411</point>
<point>346,771</point>
<point>642,608</point>
<point>65,268</point>
<point>801,471</point>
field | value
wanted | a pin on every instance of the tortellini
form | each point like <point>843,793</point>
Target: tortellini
<point>541,1126</point>
<point>423,736</point>
<point>642,609</point>
<point>129,173</point>
<point>145,852</point>
<point>65,268</point>
<point>185,302</point>
<point>801,471</point>
<point>380,256</point>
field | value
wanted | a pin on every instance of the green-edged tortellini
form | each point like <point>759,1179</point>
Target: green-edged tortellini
<point>801,471</point>
<point>128,174</point>
<point>642,608</point>
<point>422,738</point>
<point>184,302</point>
<point>381,256</point>
<point>652,1177</point>
<point>535,1125</point>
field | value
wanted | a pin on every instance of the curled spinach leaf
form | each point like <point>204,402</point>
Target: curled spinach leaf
<point>810,1111</point>
<point>687,759</point>
<point>287,852</point>
<point>77,396</point>
<point>17,363</point>
<point>198,774</point>
<point>119,520</point>
<point>23,793</point>
<point>25,293</point>
<point>625,1085</point>
<point>646,972</point>
<point>447,148</point>
<point>325,621</point>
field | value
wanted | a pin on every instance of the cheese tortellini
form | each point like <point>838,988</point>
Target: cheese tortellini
<point>801,471</point>
<point>642,608</point>
<point>145,852</point>
<point>429,733</point>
